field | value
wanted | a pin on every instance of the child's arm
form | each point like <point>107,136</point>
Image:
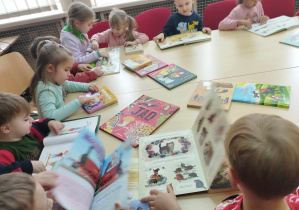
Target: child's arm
<point>140,38</point>
<point>167,30</point>
<point>162,201</point>
<point>84,76</point>
<point>231,21</point>
<point>8,164</point>
<point>102,37</point>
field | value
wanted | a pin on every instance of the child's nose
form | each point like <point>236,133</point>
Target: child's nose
<point>31,119</point>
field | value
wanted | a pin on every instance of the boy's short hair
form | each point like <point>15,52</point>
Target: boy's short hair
<point>11,106</point>
<point>17,191</point>
<point>263,150</point>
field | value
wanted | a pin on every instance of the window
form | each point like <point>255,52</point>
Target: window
<point>108,2</point>
<point>12,8</point>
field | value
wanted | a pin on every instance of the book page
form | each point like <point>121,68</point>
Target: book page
<point>71,130</point>
<point>170,158</point>
<point>110,65</point>
<point>113,183</point>
<point>209,131</point>
<point>79,172</point>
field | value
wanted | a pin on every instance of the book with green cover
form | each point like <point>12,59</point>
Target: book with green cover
<point>263,94</point>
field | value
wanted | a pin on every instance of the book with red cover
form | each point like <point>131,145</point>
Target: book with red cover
<point>141,118</point>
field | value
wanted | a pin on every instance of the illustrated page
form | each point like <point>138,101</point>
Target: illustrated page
<point>110,65</point>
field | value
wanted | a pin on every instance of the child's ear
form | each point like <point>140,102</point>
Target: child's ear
<point>5,129</point>
<point>77,23</point>
<point>233,178</point>
<point>127,26</point>
<point>50,68</point>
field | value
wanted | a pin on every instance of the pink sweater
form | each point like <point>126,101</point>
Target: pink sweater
<point>108,37</point>
<point>241,12</point>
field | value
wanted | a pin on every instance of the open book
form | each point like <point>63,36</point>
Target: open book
<point>184,38</point>
<point>88,180</point>
<point>55,147</point>
<point>292,40</point>
<point>134,49</point>
<point>274,25</point>
<point>109,65</point>
<point>188,159</point>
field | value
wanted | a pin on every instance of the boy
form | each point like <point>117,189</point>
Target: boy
<point>263,155</point>
<point>185,20</point>
<point>21,139</point>
<point>22,191</point>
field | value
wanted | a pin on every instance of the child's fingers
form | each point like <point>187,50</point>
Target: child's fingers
<point>154,192</point>
<point>170,189</point>
<point>147,199</point>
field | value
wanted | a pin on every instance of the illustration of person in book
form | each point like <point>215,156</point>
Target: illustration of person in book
<point>165,109</point>
<point>178,73</point>
<point>156,176</point>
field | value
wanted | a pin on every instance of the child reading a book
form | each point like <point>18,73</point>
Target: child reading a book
<point>21,139</point>
<point>185,20</point>
<point>22,191</point>
<point>263,156</point>
<point>86,74</point>
<point>122,31</point>
<point>49,84</point>
<point>74,35</point>
<point>245,13</point>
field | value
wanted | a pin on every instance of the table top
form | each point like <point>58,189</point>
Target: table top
<point>6,42</point>
<point>231,56</point>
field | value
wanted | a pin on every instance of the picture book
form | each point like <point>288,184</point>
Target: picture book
<point>88,180</point>
<point>137,62</point>
<point>269,95</point>
<point>57,146</point>
<point>134,49</point>
<point>188,159</point>
<point>221,182</point>
<point>172,76</point>
<point>133,197</point>
<point>292,40</point>
<point>156,64</point>
<point>109,65</point>
<point>140,118</point>
<point>224,92</point>
<point>274,25</point>
<point>184,38</point>
<point>103,98</point>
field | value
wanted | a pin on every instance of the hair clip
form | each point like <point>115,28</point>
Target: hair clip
<point>48,41</point>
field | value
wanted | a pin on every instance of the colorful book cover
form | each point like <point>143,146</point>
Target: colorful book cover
<point>141,118</point>
<point>137,62</point>
<point>184,38</point>
<point>269,95</point>
<point>274,25</point>
<point>172,76</point>
<point>103,98</point>
<point>134,49</point>
<point>156,64</point>
<point>292,40</point>
<point>110,65</point>
<point>224,92</point>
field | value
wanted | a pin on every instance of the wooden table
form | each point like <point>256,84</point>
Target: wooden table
<point>231,56</point>
<point>7,42</point>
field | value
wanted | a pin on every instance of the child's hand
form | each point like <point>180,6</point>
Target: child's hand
<point>104,53</point>
<point>55,126</point>
<point>264,20</point>
<point>84,67</point>
<point>126,44</point>
<point>206,30</point>
<point>117,207</point>
<point>98,71</point>
<point>47,179</point>
<point>38,166</point>
<point>94,45</point>
<point>159,37</point>
<point>246,23</point>
<point>93,88</point>
<point>162,201</point>
<point>84,100</point>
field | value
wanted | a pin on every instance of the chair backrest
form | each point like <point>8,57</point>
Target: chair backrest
<point>15,73</point>
<point>152,21</point>
<point>276,8</point>
<point>214,13</point>
<point>97,28</point>
<point>297,14</point>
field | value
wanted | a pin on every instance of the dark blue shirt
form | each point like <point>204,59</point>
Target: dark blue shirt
<point>177,24</point>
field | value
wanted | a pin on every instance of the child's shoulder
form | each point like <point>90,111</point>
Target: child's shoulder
<point>231,203</point>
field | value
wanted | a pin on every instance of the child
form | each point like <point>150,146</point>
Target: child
<point>22,191</point>
<point>263,156</point>
<point>245,13</point>
<point>185,20</point>
<point>74,35</point>
<point>86,76</point>
<point>122,31</point>
<point>21,139</point>
<point>49,84</point>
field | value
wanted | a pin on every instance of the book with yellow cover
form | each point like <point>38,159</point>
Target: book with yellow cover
<point>137,62</point>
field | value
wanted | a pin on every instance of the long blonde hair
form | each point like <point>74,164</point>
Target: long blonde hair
<point>118,16</point>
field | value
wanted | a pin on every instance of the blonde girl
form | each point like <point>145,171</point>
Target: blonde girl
<point>49,85</point>
<point>122,31</point>
<point>244,14</point>
<point>74,36</point>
